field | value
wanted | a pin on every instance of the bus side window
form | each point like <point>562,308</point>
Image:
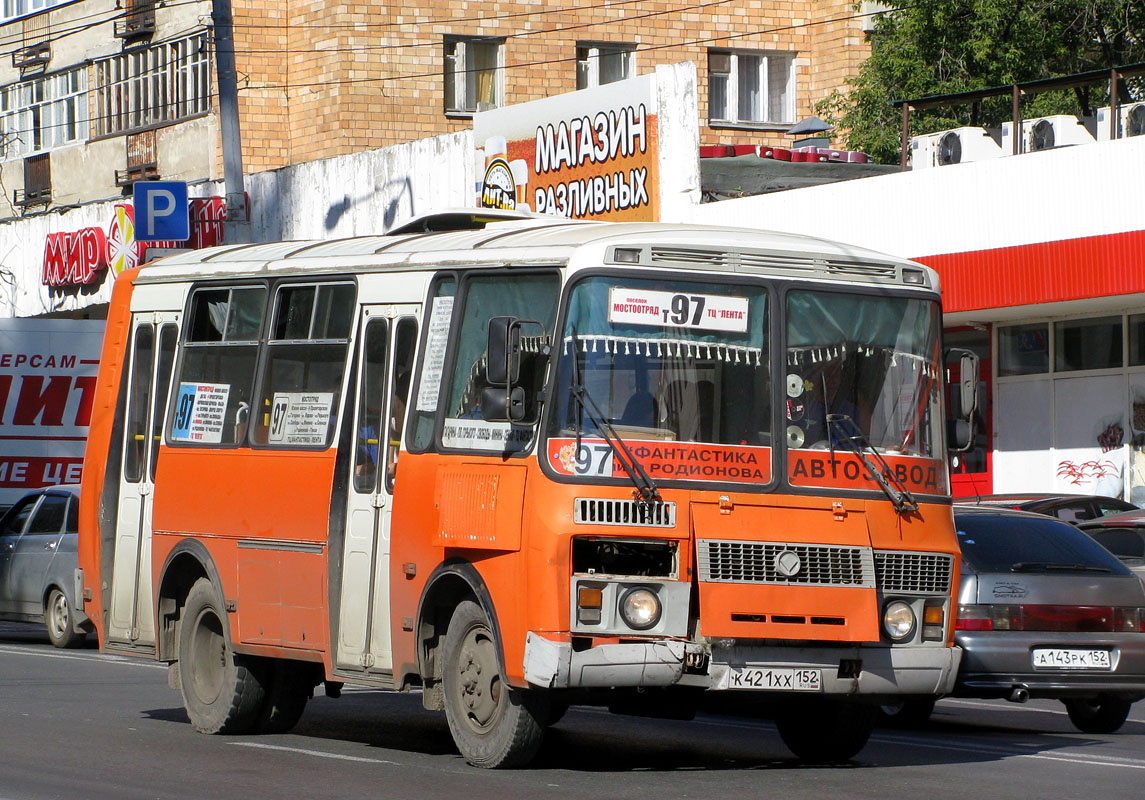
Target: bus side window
<point>217,367</point>
<point>405,342</point>
<point>305,361</point>
<point>368,428</point>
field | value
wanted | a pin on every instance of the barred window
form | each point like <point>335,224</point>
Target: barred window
<point>151,86</point>
<point>43,114</point>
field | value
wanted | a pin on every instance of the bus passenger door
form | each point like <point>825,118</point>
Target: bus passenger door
<point>131,619</point>
<point>385,364</point>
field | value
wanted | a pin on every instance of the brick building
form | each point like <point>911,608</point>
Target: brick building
<point>98,94</point>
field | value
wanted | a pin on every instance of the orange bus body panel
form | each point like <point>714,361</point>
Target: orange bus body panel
<point>264,517</point>
<point>112,361</point>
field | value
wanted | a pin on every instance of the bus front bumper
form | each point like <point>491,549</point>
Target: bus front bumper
<point>868,670</point>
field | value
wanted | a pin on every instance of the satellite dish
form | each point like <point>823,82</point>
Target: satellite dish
<point>1135,121</point>
<point>949,149</point>
<point>1042,135</point>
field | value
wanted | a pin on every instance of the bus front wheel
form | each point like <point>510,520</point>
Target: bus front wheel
<point>825,731</point>
<point>222,692</point>
<point>493,724</point>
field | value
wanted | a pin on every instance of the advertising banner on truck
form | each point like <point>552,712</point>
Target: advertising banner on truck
<point>47,378</point>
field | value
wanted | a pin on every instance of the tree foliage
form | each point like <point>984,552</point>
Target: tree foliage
<point>935,47</point>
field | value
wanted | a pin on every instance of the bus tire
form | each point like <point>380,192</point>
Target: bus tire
<point>493,725</point>
<point>58,620</point>
<point>287,690</point>
<point>825,731</point>
<point>222,692</point>
<point>906,713</point>
<point>1101,714</point>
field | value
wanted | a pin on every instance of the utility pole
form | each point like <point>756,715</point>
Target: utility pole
<point>236,227</point>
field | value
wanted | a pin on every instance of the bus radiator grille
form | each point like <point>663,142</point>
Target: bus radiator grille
<point>723,561</point>
<point>914,573</point>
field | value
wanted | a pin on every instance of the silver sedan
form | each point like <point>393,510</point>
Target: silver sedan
<point>1044,612</point>
<point>38,562</point>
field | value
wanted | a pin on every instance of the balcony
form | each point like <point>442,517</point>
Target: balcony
<point>33,56</point>
<point>23,198</point>
<point>137,27</point>
<point>135,174</point>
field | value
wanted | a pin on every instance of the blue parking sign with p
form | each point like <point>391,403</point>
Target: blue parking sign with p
<point>161,211</point>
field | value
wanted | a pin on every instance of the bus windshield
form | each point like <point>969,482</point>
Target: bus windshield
<point>863,374</point>
<point>679,369</point>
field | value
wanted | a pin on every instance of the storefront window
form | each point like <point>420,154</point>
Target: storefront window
<point>1087,344</point>
<point>1024,349</point>
<point>1136,340</point>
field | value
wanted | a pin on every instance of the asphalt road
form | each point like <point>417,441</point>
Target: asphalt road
<point>77,724</point>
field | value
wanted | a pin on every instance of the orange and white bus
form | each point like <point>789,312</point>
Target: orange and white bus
<point>525,463</point>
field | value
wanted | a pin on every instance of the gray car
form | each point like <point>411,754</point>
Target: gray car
<point>1044,612</point>
<point>1123,535</point>
<point>38,561</point>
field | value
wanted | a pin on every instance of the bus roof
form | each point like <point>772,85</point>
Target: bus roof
<point>551,240</point>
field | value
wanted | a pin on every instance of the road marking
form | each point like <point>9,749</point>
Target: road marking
<point>102,658</point>
<point>316,753</point>
<point>1099,761</point>
<point>1001,707</point>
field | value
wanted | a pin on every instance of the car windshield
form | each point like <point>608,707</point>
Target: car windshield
<point>1011,543</point>
<point>680,371</point>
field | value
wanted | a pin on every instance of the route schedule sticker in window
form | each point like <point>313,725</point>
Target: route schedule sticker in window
<point>704,312</point>
<point>200,409</point>
<point>300,418</point>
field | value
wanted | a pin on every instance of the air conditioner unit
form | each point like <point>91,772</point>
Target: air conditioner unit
<point>956,146</point>
<point>1132,121</point>
<point>1046,133</point>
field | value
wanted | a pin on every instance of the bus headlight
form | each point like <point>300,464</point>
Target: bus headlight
<point>640,608</point>
<point>898,620</point>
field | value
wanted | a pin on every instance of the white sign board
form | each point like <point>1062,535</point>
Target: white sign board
<point>47,383</point>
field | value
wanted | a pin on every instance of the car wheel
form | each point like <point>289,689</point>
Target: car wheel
<point>58,618</point>
<point>825,731</point>
<point>222,692</point>
<point>493,725</point>
<point>1101,714</point>
<point>906,713</point>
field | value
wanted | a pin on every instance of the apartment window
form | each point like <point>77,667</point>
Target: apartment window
<point>746,88</point>
<point>22,8</point>
<point>598,63</point>
<point>152,86</point>
<point>43,114</point>
<point>474,75</point>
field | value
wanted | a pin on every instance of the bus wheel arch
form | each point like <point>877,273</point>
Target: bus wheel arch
<point>451,584</point>
<point>185,564</point>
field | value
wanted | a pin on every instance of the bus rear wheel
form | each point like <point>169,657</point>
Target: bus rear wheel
<point>288,688</point>
<point>493,724</point>
<point>825,731</point>
<point>222,692</point>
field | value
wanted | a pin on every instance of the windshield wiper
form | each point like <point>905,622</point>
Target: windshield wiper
<point>1045,566</point>
<point>877,467</point>
<point>645,487</point>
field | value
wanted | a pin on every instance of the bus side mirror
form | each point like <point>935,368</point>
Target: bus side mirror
<point>503,351</point>
<point>960,428</point>
<point>510,396</point>
<point>503,399</point>
<point>959,435</point>
<point>968,383</point>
